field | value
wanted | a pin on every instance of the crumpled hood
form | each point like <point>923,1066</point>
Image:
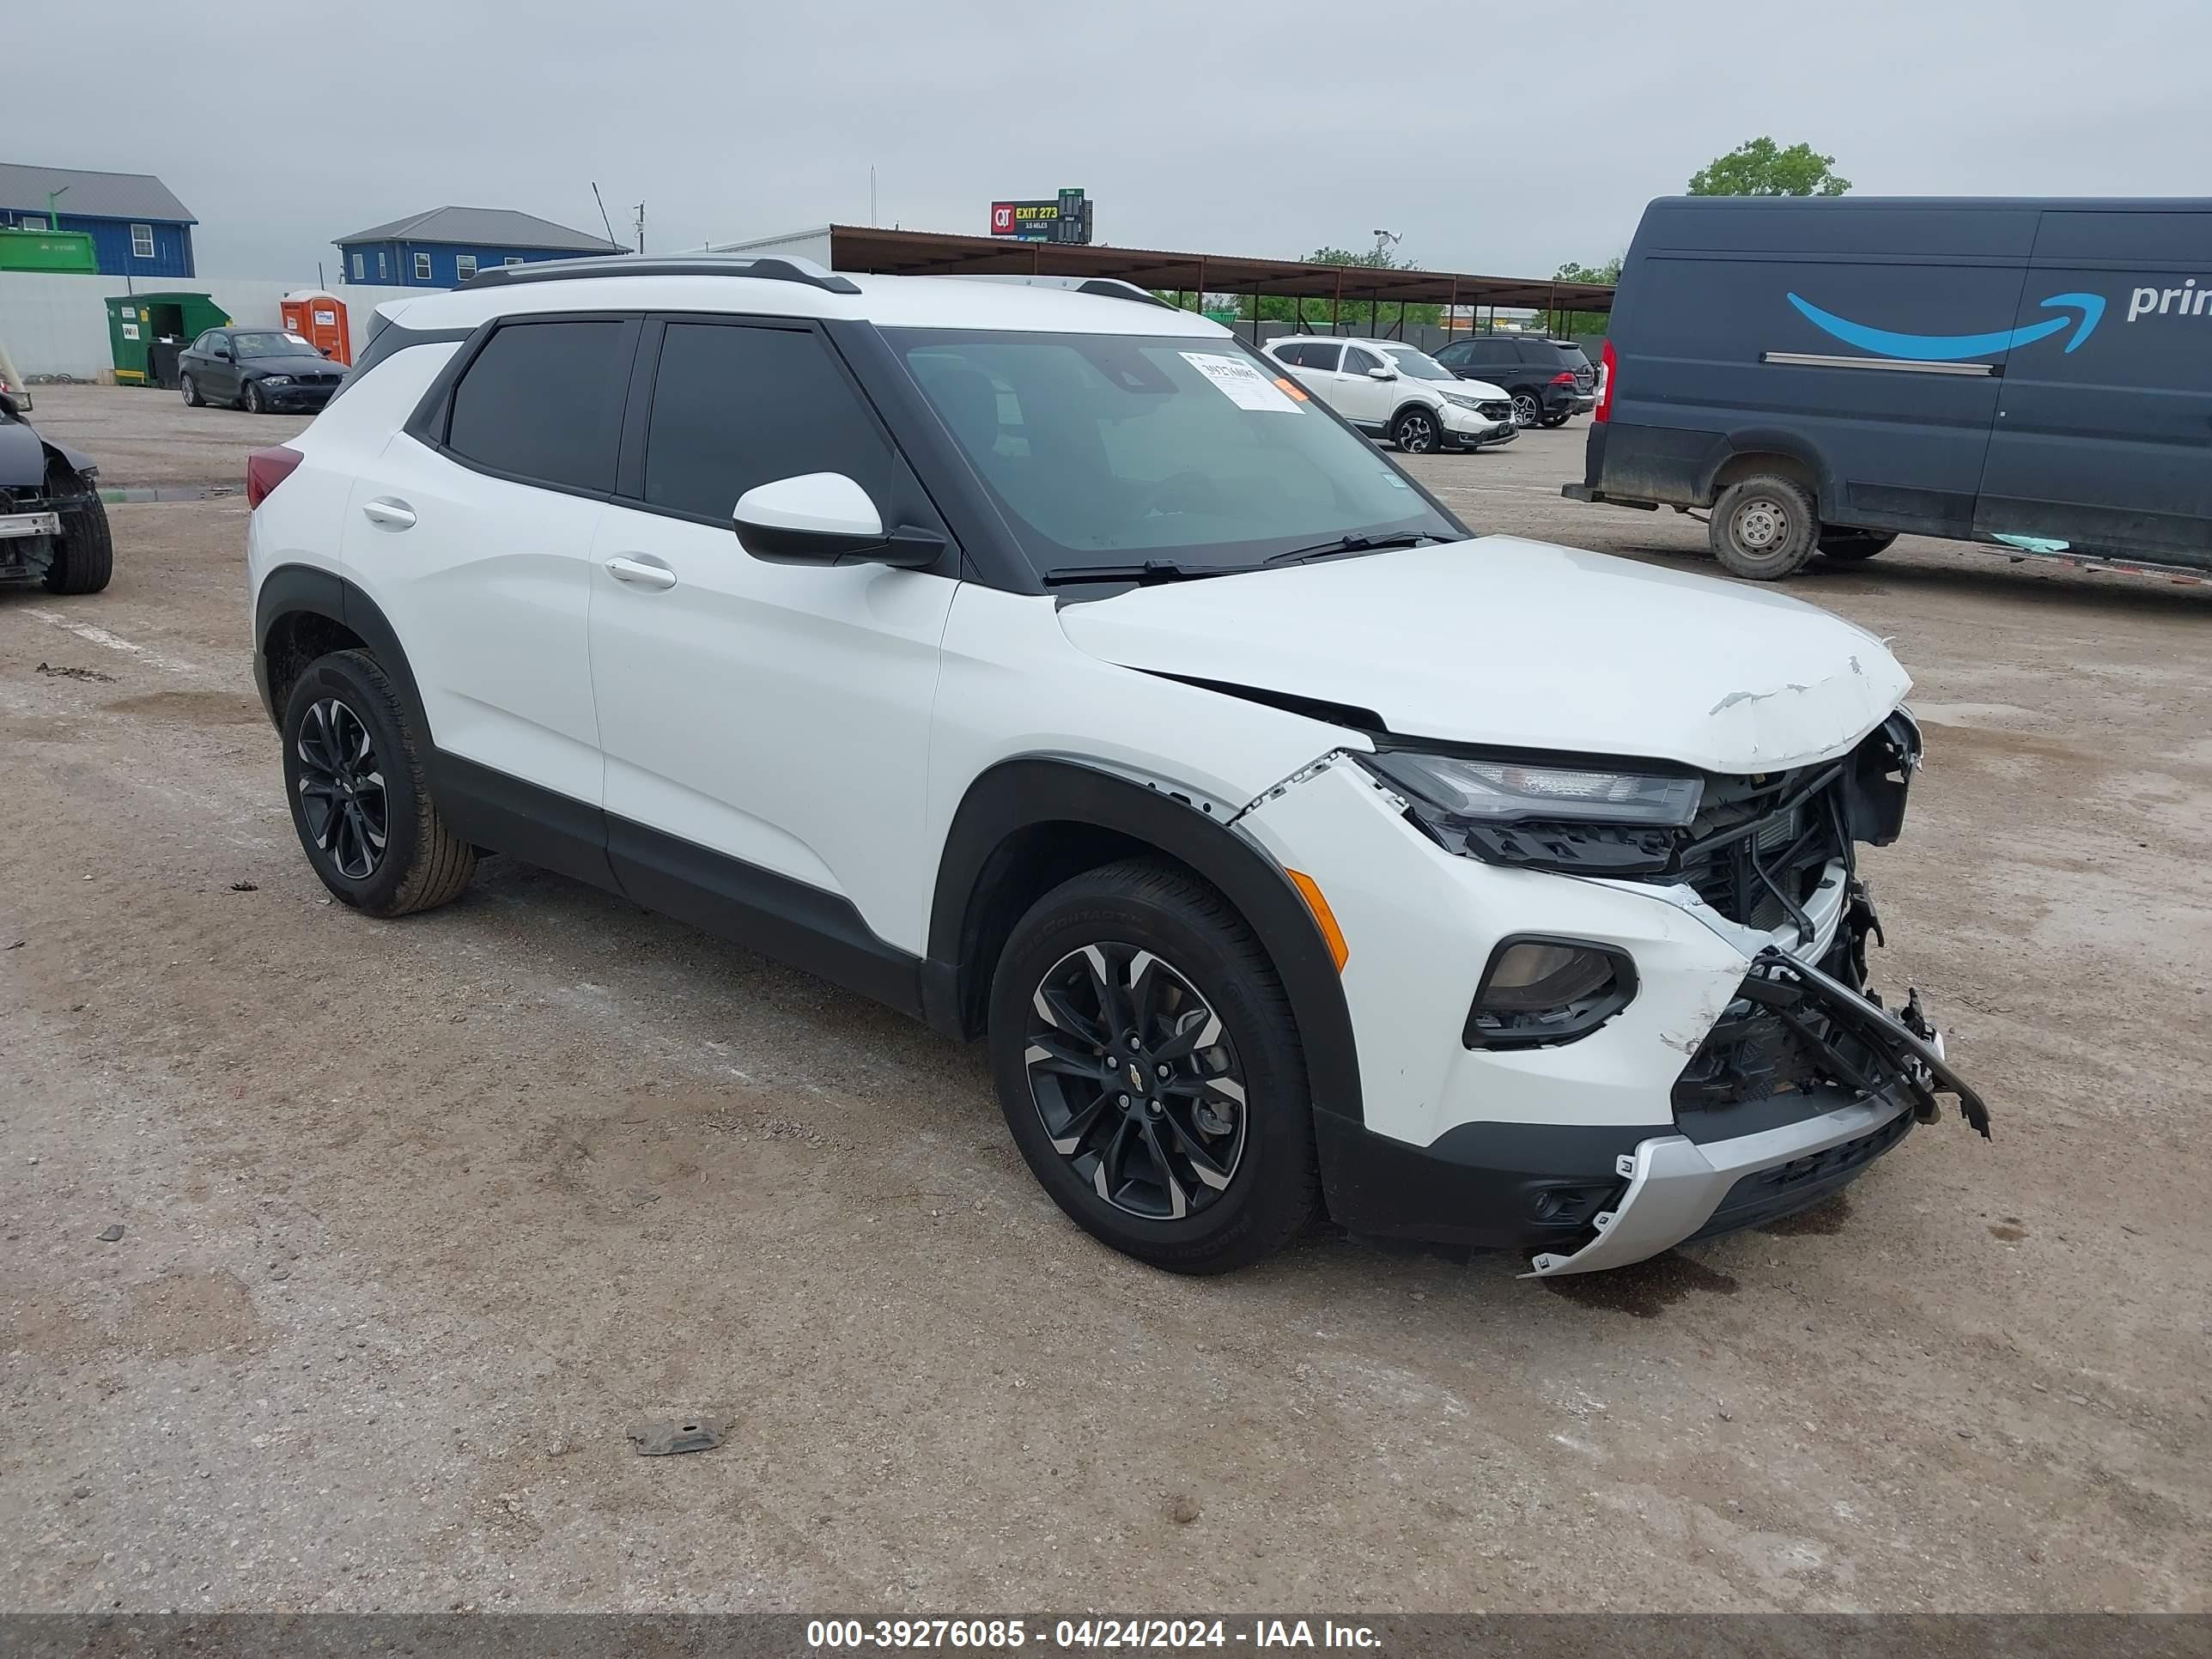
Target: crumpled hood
<point>1523,645</point>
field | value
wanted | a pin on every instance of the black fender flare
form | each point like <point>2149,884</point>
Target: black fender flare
<point>1429,410</point>
<point>1768,440</point>
<point>295,589</point>
<point>1016,795</point>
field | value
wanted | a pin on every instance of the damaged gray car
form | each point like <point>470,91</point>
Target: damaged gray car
<point>53,526</point>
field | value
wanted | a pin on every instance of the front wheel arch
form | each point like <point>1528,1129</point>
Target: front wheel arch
<point>1025,820</point>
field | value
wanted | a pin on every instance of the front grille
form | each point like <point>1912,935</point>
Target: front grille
<point>1496,411</point>
<point>1760,845</point>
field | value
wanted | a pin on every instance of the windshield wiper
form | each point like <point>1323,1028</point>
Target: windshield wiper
<point>1151,570</point>
<point>1353,544</point>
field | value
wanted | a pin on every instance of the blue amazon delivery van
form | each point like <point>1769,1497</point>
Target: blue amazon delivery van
<point>1825,374</point>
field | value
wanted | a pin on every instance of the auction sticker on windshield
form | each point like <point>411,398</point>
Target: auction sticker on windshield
<point>1242,384</point>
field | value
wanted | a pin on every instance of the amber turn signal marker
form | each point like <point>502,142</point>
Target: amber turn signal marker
<point>1323,916</point>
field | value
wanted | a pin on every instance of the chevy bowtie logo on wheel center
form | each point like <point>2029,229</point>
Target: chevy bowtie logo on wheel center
<point>1136,1075</point>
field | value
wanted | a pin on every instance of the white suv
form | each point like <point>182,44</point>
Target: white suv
<point>1388,389</point>
<point>1045,665</point>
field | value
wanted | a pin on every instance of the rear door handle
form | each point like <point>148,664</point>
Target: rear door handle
<point>640,572</point>
<point>392,515</point>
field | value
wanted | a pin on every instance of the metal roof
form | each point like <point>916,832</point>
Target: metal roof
<point>138,196</point>
<point>485,227</point>
<point>928,253</point>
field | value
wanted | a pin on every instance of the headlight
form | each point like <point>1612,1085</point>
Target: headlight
<point>1603,819</point>
<point>276,380</point>
<point>1465,400</point>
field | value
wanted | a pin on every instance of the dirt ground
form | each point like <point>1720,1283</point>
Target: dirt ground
<point>418,1217</point>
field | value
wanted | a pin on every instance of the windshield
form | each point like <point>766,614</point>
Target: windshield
<point>270,345</point>
<point>1102,447</point>
<point>1418,365</point>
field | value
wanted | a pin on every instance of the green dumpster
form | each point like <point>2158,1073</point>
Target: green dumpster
<point>47,250</point>
<point>136,321</point>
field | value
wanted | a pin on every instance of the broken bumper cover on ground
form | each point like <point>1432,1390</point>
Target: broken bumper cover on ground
<point>1678,1189</point>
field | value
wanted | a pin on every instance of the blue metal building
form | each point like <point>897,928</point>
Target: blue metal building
<point>138,227</point>
<point>447,246</point>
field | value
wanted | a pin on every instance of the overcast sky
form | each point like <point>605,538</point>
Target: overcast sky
<point>1495,139</point>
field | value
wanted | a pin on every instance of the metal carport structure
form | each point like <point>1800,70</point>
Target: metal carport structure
<point>865,249</point>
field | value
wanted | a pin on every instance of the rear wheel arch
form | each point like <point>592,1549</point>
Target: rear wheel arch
<point>1749,455</point>
<point>304,613</point>
<point>1026,825</point>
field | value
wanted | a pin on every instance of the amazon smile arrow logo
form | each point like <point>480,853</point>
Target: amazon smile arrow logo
<point>1952,348</point>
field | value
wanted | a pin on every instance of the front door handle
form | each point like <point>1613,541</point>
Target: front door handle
<point>392,515</point>
<point>641,573</point>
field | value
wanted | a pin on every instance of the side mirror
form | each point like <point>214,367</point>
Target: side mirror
<point>329,351</point>
<point>826,518</point>
<point>1382,373</point>
<point>222,353</point>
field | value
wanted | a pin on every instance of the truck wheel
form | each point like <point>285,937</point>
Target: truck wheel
<point>360,801</point>
<point>192,399</point>
<point>1415,431</point>
<point>1528,408</point>
<point>1855,544</point>
<point>1151,1071</point>
<point>84,553</point>
<point>1764,528</point>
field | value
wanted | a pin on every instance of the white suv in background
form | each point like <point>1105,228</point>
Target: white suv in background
<point>1388,389</point>
<point>1047,666</point>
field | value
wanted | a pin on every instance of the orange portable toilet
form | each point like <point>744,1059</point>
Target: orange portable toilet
<point>320,318</point>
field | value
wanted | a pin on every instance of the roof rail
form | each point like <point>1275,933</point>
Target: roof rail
<point>779,269</point>
<point>1109,288</point>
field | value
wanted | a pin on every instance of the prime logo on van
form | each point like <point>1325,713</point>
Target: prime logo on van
<point>2187,301</point>
<point>1956,347</point>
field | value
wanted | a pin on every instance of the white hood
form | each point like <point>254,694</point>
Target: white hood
<point>1523,645</point>
<point>1482,389</point>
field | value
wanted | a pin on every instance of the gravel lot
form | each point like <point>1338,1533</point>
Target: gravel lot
<point>419,1216</point>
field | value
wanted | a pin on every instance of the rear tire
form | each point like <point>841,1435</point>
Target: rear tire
<point>1557,420</point>
<point>1764,528</point>
<point>1528,408</point>
<point>1417,431</point>
<point>1137,982</point>
<point>84,553</point>
<point>353,771</point>
<point>1852,546</point>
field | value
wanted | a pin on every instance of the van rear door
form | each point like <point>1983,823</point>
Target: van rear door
<point>2103,437</point>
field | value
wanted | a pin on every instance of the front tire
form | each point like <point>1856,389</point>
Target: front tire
<point>253,404</point>
<point>1417,431</point>
<point>1137,983</point>
<point>353,771</point>
<point>1764,528</point>
<point>84,553</point>
<point>192,399</point>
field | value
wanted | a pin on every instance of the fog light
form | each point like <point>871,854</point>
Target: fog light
<point>1539,991</point>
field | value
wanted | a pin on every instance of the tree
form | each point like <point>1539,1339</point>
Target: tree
<point>1572,323</point>
<point>1760,168</point>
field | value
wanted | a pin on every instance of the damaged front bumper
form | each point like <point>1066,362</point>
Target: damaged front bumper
<point>1679,1189</point>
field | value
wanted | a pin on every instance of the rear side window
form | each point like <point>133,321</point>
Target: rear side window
<point>735,406</point>
<point>1293,354</point>
<point>543,401</point>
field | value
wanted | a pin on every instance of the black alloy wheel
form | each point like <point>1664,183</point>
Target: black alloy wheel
<point>1136,1081</point>
<point>342,795</point>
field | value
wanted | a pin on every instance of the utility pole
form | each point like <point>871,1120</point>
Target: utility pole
<point>872,194</point>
